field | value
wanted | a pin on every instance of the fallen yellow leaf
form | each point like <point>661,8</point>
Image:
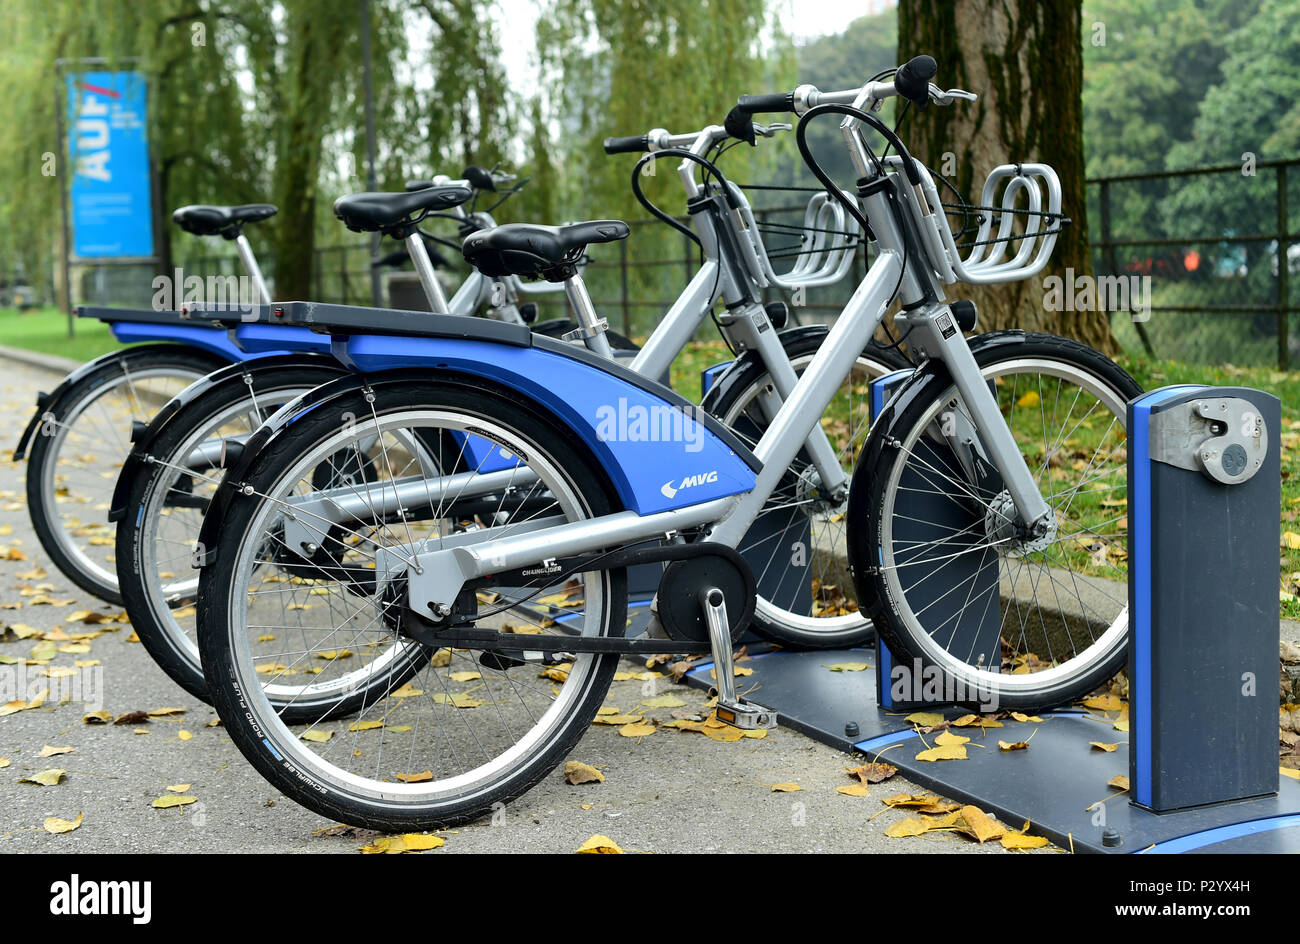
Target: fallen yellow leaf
<point>979,825</point>
<point>55,825</point>
<point>600,845</point>
<point>167,802</point>
<point>576,772</point>
<point>943,752</point>
<point>396,845</point>
<point>1014,840</point>
<point>925,719</point>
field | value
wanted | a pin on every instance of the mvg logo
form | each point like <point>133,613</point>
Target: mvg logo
<point>689,482</point>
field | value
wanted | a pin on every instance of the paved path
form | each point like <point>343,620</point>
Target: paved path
<point>670,792</point>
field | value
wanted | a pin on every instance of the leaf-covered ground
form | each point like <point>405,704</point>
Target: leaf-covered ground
<point>99,751</point>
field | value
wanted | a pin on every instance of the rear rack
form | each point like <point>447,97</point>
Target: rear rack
<point>346,320</point>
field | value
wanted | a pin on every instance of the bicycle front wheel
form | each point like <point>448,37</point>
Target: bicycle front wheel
<point>1012,621</point>
<point>797,546</point>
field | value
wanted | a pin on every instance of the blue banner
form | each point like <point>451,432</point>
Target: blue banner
<point>112,209</point>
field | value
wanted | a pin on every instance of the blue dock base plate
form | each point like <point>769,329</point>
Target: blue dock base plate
<point>1058,784</point>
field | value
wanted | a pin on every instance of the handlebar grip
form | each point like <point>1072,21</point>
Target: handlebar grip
<point>912,79</point>
<point>740,124</point>
<point>634,145</point>
<point>413,185</point>
<point>479,178</point>
<point>776,102</point>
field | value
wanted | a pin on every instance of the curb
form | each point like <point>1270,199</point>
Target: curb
<point>50,362</point>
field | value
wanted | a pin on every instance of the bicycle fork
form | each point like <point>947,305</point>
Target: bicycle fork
<point>932,332</point>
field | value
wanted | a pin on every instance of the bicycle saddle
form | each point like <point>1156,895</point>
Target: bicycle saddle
<point>227,221</point>
<point>531,251</point>
<point>380,212</point>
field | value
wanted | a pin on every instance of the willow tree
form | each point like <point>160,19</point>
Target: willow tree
<point>622,67</point>
<point>1025,59</point>
<point>249,101</point>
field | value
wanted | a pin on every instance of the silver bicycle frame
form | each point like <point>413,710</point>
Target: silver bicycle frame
<point>441,573</point>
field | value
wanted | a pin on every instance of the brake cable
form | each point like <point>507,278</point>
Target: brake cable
<point>801,139</point>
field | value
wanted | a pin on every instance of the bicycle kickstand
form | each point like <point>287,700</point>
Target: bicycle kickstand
<point>732,708</point>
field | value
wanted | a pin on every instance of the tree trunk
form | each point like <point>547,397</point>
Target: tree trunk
<point>306,102</point>
<point>1025,60</point>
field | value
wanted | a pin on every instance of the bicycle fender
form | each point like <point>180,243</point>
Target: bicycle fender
<point>238,374</point>
<point>50,402</point>
<point>204,337</point>
<point>731,372</point>
<point>660,451</point>
<point>647,474</point>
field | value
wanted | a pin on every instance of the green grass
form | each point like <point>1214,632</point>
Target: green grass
<point>1150,374</point>
<point>46,330</point>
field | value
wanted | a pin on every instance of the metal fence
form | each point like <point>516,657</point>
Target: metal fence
<point>1226,297</point>
<point>1209,297</point>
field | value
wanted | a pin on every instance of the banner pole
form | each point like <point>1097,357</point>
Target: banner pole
<point>60,102</point>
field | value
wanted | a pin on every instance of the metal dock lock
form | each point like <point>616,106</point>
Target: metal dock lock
<point>1204,502</point>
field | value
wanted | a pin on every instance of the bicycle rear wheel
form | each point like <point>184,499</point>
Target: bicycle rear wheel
<point>157,537</point>
<point>471,727</point>
<point>76,455</point>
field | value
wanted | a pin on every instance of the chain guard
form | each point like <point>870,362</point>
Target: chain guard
<point>679,603</point>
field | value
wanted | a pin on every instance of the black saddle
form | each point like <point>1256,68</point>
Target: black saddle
<point>227,221</point>
<point>530,251</point>
<point>392,213</point>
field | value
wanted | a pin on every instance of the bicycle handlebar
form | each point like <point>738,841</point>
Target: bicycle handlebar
<point>911,81</point>
<point>773,103</point>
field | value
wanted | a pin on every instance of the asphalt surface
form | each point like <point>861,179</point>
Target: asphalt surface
<point>674,791</point>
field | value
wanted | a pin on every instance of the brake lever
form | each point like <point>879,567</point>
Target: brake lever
<point>941,97</point>
<point>769,131</point>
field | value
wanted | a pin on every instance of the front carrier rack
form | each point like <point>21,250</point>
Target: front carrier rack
<point>828,238</point>
<point>996,240</point>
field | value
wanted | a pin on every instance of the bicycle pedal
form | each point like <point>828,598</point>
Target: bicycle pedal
<point>746,715</point>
